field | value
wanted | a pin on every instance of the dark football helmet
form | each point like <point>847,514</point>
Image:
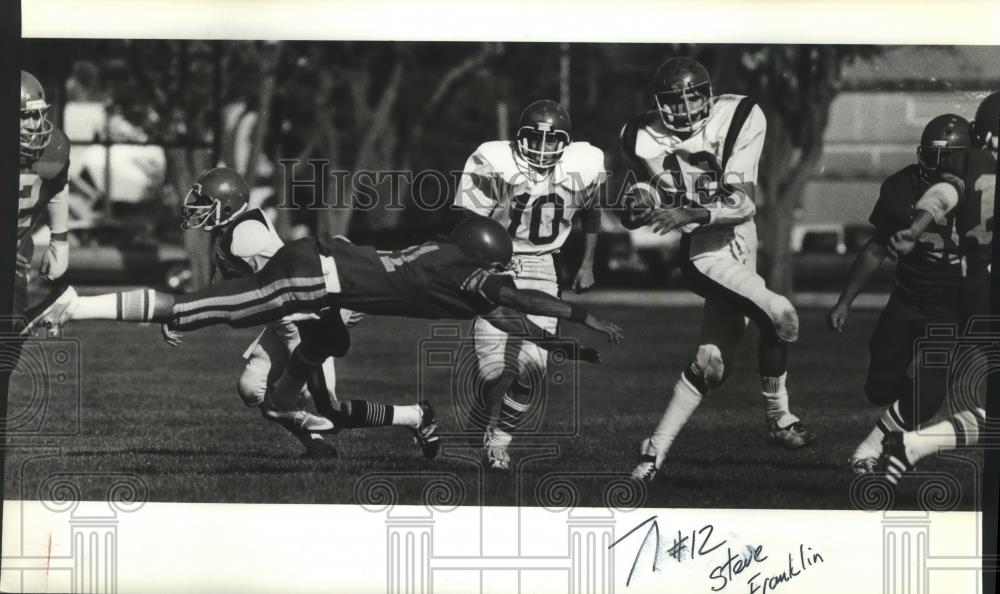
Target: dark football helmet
<point>944,138</point>
<point>36,129</point>
<point>543,133</point>
<point>683,93</point>
<point>217,197</point>
<point>486,240</point>
<point>986,126</point>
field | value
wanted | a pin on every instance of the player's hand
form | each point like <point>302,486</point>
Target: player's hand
<point>584,279</point>
<point>901,243</point>
<point>836,318</point>
<point>55,260</point>
<point>351,318</point>
<point>609,329</point>
<point>665,220</point>
<point>171,337</point>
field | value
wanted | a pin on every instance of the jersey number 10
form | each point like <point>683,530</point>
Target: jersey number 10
<point>520,204</point>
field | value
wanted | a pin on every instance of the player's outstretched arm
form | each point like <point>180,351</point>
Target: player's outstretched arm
<point>517,324</point>
<point>865,264</point>
<point>537,303</point>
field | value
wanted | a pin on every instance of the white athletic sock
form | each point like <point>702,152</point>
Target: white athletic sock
<point>407,416</point>
<point>497,437</point>
<point>960,430</point>
<point>134,305</point>
<point>871,447</point>
<point>98,307</point>
<point>776,400</point>
<point>682,404</point>
<point>890,420</point>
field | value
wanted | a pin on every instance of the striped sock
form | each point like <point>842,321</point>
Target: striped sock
<point>370,414</point>
<point>134,305</point>
<point>963,429</point>
<point>511,412</point>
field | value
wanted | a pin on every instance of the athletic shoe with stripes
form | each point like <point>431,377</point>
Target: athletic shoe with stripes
<point>426,435</point>
<point>893,462</point>
<point>791,437</point>
<point>645,471</point>
<point>53,310</point>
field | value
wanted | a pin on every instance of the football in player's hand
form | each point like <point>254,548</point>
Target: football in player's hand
<point>643,196</point>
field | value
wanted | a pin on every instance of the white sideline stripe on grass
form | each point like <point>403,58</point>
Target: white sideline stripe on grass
<point>680,298</point>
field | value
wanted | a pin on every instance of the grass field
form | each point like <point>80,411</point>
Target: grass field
<point>172,418</point>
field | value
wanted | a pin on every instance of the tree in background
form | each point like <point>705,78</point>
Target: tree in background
<point>365,106</point>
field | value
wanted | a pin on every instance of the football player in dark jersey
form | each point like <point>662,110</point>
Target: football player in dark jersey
<point>971,198</point>
<point>926,289</point>
<point>244,240</point>
<point>43,167</point>
<point>457,277</point>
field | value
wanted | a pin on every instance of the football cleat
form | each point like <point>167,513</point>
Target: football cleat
<point>894,461</point>
<point>645,471</point>
<point>426,436</point>
<point>791,437</point>
<point>495,454</point>
<point>297,421</point>
<point>496,458</point>
<point>54,309</point>
<point>863,465</point>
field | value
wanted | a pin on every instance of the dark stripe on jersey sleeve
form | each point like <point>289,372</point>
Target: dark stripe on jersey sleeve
<point>627,141</point>
<point>740,116</point>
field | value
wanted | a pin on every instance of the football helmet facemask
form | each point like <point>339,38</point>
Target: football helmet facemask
<point>986,126</point>
<point>944,139</point>
<point>486,240</point>
<point>543,133</point>
<point>36,129</point>
<point>217,197</point>
<point>683,93</point>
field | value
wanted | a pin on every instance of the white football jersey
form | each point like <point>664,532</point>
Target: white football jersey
<point>697,164</point>
<point>536,209</point>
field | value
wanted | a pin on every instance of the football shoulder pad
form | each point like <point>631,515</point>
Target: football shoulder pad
<point>54,160</point>
<point>582,165</point>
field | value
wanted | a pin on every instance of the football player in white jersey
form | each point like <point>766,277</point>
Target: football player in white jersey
<point>695,158</point>
<point>533,186</point>
<point>245,241</point>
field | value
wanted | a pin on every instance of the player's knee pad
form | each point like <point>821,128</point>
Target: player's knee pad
<point>709,366</point>
<point>252,386</point>
<point>784,318</point>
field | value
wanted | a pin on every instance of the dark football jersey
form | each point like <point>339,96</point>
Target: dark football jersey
<point>928,278</point>
<point>230,265</point>
<point>975,208</point>
<point>40,180</point>
<point>434,280</point>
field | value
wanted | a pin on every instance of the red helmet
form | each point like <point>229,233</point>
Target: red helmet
<point>485,239</point>
<point>217,197</point>
<point>36,129</point>
<point>683,93</point>
<point>943,136</point>
<point>543,133</point>
<point>986,126</point>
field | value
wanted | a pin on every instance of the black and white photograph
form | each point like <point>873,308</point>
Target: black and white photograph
<point>505,275</point>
